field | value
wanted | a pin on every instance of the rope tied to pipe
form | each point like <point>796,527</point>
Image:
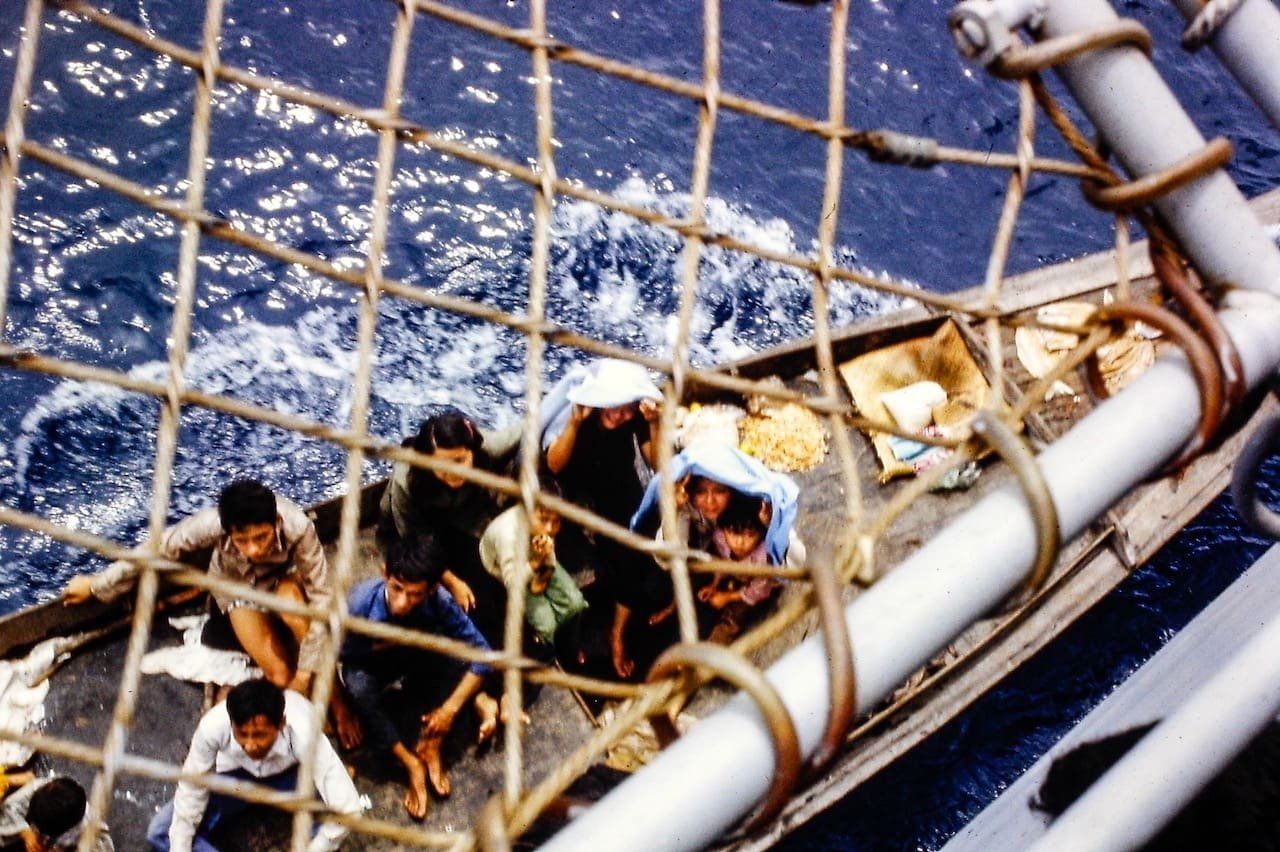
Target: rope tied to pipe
<point>684,659</point>
<point>1207,22</point>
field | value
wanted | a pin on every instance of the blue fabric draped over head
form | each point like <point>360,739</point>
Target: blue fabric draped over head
<point>734,468</point>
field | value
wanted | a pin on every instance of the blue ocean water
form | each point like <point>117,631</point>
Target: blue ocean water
<point>93,276</point>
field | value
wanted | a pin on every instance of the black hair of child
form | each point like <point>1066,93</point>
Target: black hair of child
<point>246,502</point>
<point>257,697</point>
<point>56,807</point>
<point>742,513</point>
<point>419,558</point>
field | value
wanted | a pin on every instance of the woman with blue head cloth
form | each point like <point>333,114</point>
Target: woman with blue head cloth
<point>599,438</point>
<point>723,493</point>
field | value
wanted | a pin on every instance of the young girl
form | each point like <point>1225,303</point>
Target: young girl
<point>739,536</point>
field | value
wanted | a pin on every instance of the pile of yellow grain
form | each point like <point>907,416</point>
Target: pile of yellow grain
<point>785,436</point>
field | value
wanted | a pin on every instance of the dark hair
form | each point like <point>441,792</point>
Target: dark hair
<point>418,558</point>
<point>257,697</point>
<point>447,431</point>
<point>56,807</point>
<point>547,484</point>
<point>245,502</point>
<point>742,513</point>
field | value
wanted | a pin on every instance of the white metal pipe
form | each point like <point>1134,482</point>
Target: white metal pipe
<point>1141,120</point>
<point>1248,44</point>
<point>1166,769</point>
<point>707,780</point>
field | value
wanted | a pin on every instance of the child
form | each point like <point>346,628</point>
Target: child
<point>258,539</point>
<point>740,537</point>
<point>553,600</point>
<point>409,595</point>
<point>259,734</point>
<point>46,815</point>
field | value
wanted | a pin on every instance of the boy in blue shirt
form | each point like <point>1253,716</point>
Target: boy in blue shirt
<point>409,595</point>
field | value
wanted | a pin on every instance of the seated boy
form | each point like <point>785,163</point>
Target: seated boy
<point>46,815</point>
<point>552,598</point>
<point>258,734</point>
<point>739,536</point>
<point>258,539</point>
<point>409,595</point>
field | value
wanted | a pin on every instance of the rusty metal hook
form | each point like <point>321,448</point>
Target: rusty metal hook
<point>1015,453</point>
<point>1204,366</point>
<point>734,668</point>
<point>840,674</point>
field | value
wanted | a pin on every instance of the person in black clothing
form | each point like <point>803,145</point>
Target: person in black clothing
<point>600,447</point>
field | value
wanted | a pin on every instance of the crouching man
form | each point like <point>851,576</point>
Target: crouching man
<point>409,595</point>
<point>258,734</point>
<point>258,539</point>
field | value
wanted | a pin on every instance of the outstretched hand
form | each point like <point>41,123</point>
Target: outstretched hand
<point>79,590</point>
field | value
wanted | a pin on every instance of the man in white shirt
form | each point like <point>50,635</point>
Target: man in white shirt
<point>258,734</point>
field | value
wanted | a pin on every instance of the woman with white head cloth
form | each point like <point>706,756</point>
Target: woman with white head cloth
<point>599,439</point>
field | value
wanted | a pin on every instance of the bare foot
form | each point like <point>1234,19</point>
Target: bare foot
<point>622,664</point>
<point>487,707</point>
<point>428,751</point>
<point>505,714</point>
<point>415,799</point>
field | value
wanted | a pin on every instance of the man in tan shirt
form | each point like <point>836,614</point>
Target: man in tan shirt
<point>258,539</point>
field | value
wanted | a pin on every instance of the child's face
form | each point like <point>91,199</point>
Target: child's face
<point>457,455</point>
<point>257,735</point>
<point>545,523</point>
<point>254,541</point>
<point>742,542</point>
<point>403,597</point>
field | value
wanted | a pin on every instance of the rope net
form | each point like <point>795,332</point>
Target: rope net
<point>987,324</point>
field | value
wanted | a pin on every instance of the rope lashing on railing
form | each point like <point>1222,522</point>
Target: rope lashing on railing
<point>1222,365</point>
<point>1207,22</point>
<point>1126,196</point>
<point>736,670</point>
<point>1173,271</point>
<point>993,431</point>
<point>1021,60</point>
<point>1200,357</point>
